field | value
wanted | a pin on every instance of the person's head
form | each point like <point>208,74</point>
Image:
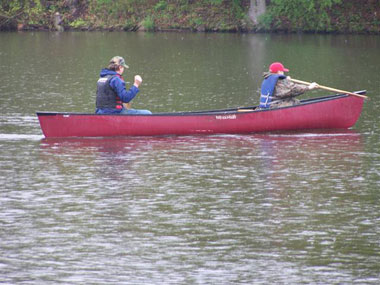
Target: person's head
<point>117,63</point>
<point>277,67</point>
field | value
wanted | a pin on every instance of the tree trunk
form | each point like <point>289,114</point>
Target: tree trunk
<point>57,22</point>
<point>256,9</point>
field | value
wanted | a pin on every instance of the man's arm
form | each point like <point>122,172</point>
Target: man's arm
<point>125,95</point>
<point>286,89</point>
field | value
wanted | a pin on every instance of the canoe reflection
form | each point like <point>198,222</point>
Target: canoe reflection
<point>257,157</point>
<point>291,161</point>
<point>333,141</point>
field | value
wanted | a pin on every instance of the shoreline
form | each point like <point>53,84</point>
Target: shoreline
<point>33,28</point>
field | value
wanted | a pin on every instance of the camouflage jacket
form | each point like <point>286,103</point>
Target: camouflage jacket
<point>285,91</point>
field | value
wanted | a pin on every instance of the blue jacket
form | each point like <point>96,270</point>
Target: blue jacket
<point>118,85</point>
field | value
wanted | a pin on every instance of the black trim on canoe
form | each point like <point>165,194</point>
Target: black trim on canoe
<point>212,112</point>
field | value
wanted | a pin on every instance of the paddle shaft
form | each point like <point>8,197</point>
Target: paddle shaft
<point>329,88</point>
<point>127,105</point>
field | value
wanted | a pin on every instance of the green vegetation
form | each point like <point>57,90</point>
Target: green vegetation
<point>196,15</point>
<point>30,12</point>
<point>322,16</point>
<point>148,23</point>
<point>296,15</point>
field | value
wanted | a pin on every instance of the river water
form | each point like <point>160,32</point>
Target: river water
<point>275,208</point>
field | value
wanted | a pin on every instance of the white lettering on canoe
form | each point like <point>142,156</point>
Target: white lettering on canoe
<point>225,117</point>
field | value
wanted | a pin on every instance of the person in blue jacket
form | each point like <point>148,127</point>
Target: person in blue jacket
<point>112,97</point>
<point>278,91</point>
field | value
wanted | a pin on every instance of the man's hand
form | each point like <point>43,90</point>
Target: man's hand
<point>313,86</point>
<point>138,80</point>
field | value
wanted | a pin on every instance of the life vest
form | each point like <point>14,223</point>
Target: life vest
<point>106,97</point>
<point>267,89</point>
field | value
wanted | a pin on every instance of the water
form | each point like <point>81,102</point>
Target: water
<point>280,208</point>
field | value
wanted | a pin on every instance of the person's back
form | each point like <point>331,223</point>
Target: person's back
<point>107,100</point>
<point>112,94</point>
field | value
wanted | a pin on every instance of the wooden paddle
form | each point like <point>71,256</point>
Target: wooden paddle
<point>329,88</point>
<point>127,105</point>
<point>246,109</point>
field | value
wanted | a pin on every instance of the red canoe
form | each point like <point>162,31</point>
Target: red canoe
<point>330,112</point>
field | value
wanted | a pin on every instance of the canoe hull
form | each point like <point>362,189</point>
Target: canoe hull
<point>338,111</point>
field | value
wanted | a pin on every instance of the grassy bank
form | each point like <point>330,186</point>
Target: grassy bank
<point>324,16</point>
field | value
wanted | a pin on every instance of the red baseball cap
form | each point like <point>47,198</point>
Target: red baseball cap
<point>277,66</point>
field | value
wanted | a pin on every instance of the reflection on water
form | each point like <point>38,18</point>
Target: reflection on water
<point>158,210</point>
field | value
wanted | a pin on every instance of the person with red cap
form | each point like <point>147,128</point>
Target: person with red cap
<point>278,91</point>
